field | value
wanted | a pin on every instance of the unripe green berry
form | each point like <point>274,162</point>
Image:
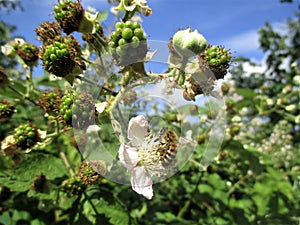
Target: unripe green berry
<point>127,33</point>
<point>112,44</point>
<point>139,33</point>
<point>122,42</point>
<point>120,25</point>
<point>129,24</point>
<point>135,41</point>
<point>135,25</point>
<point>114,36</point>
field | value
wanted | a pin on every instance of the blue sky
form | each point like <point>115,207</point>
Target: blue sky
<point>232,23</point>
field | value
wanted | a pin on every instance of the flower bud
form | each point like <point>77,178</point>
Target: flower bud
<point>296,80</point>
<point>188,42</point>
<point>234,130</point>
<point>291,108</point>
<point>297,119</point>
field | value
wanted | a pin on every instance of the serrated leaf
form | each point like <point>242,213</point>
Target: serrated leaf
<point>38,163</point>
<point>115,212</point>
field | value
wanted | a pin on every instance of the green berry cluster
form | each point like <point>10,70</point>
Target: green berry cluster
<point>62,56</point>
<point>7,109</point>
<point>29,53</point>
<point>57,59</point>
<point>216,55</point>
<point>57,50</point>
<point>83,110</point>
<point>48,31</point>
<point>217,59</point>
<point>128,42</point>
<point>26,135</point>
<point>66,107</point>
<point>79,110</point>
<point>69,15</point>
<point>74,186</point>
<point>50,101</point>
<point>87,174</point>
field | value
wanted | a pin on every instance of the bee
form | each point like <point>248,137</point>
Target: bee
<point>159,152</point>
<point>167,146</point>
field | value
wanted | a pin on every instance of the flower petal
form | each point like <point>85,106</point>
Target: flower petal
<point>137,129</point>
<point>141,182</point>
<point>128,156</point>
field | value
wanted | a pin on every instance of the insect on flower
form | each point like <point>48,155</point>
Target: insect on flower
<point>148,156</point>
<point>158,152</point>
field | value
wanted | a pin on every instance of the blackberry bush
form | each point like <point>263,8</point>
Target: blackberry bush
<point>97,40</point>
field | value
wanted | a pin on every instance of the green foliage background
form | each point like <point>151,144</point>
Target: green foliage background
<point>254,180</point>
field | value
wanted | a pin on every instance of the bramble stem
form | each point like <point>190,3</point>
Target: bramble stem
<point>66,162</point>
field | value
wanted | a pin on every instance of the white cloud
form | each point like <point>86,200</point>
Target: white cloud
<point>246,42</point>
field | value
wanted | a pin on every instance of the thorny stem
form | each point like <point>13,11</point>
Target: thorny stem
<point>29,81</point>
<point>116,99</point>
<point>66,162</point>
<point>21,94</point>
<point>97,85</point>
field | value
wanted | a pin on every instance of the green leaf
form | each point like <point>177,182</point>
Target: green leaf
<point>37,222</point>
<point>5,218</point>
<point>246,92</point>
<point>8,92</point>
<point>15,184</point>
<point>115,212</point>
<point>202,188</point>
<point>37,163</point>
